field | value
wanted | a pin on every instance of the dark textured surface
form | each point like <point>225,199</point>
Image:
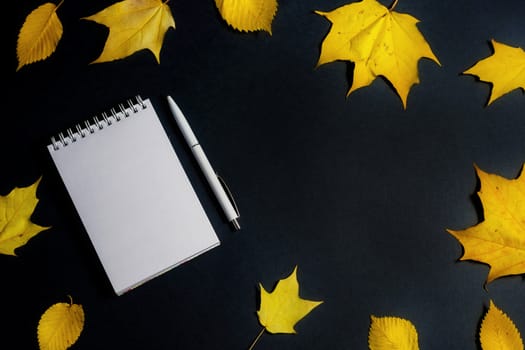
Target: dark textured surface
<point>356,191</point>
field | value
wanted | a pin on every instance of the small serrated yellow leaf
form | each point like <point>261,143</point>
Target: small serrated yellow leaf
<point>60,326</point>
<point>16,209</point>
<point>39,35</point>
<point>498,332</point>
<point>248,15</point>
<point>387,333</point>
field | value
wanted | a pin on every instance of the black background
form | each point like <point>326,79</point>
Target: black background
<point>356,192</point>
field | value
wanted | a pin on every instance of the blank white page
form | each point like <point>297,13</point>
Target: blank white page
<point>133,196</point>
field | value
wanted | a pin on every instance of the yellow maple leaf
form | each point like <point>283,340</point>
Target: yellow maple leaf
<point>281,309</point>
<point>248,15</point>
<point>499,240</point>
<point>133,25</point>
<point>39,35</point>
<point>60,326</point>
<point>504,69</point>
<point>498,332</point>
<point>387,333</point>
<point>379,41</point>
<point>16,228</point>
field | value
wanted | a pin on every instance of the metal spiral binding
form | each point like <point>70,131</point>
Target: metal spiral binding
<point>79,131</point>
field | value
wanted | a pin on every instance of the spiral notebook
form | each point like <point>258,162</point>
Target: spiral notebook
<point>132,194</point>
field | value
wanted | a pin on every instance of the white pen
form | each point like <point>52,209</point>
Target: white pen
<point>225,202</point>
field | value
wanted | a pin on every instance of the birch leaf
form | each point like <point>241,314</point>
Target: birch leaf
<point>39,35</point>
<point>499,240</point>
<point>281,309</point>
<point>16,228</point>
<point>379,41</point>
<point>504,69</point>
<point>133,25</point>
<point>498,332</point>
<point>248,15</point>
<point>60,326</point>
<point>387,333</point>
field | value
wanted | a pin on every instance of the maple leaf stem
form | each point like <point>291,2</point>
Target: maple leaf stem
<point>391,7</point>
<point>257,339</point>
<point>60,3</point>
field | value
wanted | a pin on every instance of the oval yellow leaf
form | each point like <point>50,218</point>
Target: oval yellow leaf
<point>39,35</point>
<point>498,332</point>
<point>248,15</point>
<point>60,326</point>
<point>387,333</point>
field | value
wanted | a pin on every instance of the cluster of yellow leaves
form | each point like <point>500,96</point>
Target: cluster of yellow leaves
<point>281,309</point>
<point>133,25</point>
<point>60,326</point>
<point>378,40</point>
<point>16,228</point>
<point>382,42</point>
<point>497,332</point>
<point>499,240</point>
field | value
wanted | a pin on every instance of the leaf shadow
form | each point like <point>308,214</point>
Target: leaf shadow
<point>257,298</point>
<point>350,67</point>
<point>350,81</point>
<point>489,86</point>
<point>477,79</point>
<point>476,201</point>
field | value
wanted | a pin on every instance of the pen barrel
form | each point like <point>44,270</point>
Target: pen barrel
<point>214,183</point>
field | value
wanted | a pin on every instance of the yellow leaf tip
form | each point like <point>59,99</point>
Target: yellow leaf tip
<point>498,331</point>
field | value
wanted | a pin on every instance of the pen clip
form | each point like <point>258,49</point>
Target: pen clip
<point>229,193</point>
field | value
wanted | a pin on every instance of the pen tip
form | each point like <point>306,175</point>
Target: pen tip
<point>236,224</point>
